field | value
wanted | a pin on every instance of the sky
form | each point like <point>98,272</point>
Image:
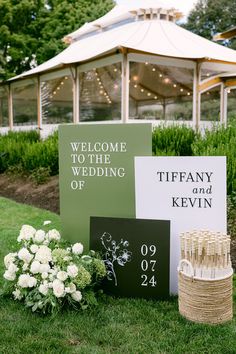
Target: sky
<point>183,5</point>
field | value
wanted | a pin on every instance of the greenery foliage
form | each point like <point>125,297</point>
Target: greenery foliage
<point>115,326</point>
<point>220,141</point>
<point>182,141</point>
<point>25,153</point>
<point>174,140</point>
<point>209,17</point>
<point>31,30</point>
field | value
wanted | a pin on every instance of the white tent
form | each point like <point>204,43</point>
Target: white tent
<point>125,36</point>
<point>158,37</point>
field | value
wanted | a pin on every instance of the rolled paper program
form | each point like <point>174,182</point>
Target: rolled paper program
<point>208,252</point>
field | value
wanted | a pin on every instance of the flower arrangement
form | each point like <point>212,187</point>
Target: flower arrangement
<point>46,275</point>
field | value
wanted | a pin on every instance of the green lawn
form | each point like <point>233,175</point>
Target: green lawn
<point>115,326</point>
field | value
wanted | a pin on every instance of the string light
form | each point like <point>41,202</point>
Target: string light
<point>160,75</point>
<point>101,87</point>
<point>153,69</point>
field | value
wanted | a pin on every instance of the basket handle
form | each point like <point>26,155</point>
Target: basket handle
<point>189,264</point>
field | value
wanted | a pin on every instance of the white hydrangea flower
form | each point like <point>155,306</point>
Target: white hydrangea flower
<point>77,248</point>
<point>35,267</point>
<point>71,288</point>
<point>47,222</point>
<point>9,275</point>
<point>9,258</point>
<point>51,277</point>
<point>44,275</point>
<point>58,288</point>
<point>45,268</point>
<point>53,235</point>
<point>25,255</point>
<point>46,242</point>
<point>13,268</point>
<point>62,275</point>
<point>39,236</point>
<point>50,285</point>
<point>17,294</point>
<point>34,248</point>
<point>43,255</point>
<point>32,282</point>
<point>72,270</point>
<point>43,289</point>
<point>77,296</point>
<point>23,280</point>
<point>26,233</point>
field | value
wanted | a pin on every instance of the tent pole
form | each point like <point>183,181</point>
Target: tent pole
<point>10,107</point>
<point>222,104</point>
<point>125,89</point>
<point>39,104</point>
<point>74,75</point>
<point>225,110</point>
<point>198,96</point>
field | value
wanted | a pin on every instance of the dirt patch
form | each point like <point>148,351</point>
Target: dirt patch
<point>24,190</point>
<point>46,196</point>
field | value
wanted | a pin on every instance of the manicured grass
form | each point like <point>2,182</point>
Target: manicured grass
<point>115,326</point>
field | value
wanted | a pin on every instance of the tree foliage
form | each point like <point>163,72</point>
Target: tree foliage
<point>31,30</point>
<point>209,17</point>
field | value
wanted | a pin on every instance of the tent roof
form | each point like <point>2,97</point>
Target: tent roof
<point>151,36</point>
<point>122,13</point>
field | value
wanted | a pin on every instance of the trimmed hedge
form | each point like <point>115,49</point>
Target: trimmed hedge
<point>24,151</point>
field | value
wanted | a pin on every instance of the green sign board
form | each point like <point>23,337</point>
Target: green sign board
<point>136,253</point>
<point>96,164</point>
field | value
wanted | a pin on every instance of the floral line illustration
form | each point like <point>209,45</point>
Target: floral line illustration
<point>115,252</point>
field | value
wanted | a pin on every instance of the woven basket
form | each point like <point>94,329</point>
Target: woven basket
<point>205,300</point>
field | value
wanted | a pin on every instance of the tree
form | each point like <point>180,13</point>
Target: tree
<point>31,31</point>
<point>18,35</point>
<point>209,17</point>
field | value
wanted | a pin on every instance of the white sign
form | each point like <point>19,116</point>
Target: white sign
<point>188,191</point>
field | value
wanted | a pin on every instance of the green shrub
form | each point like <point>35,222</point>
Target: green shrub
<point>220,141</point>
<point>173,140</point>
<point>40,175</point>
<point>13,146</point>
<point>42,154</point>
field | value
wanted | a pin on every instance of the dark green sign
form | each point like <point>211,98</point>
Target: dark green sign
<point>136,253</point>
<point>97,173</point>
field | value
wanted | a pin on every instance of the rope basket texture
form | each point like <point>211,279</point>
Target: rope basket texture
<point>205,300</point>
